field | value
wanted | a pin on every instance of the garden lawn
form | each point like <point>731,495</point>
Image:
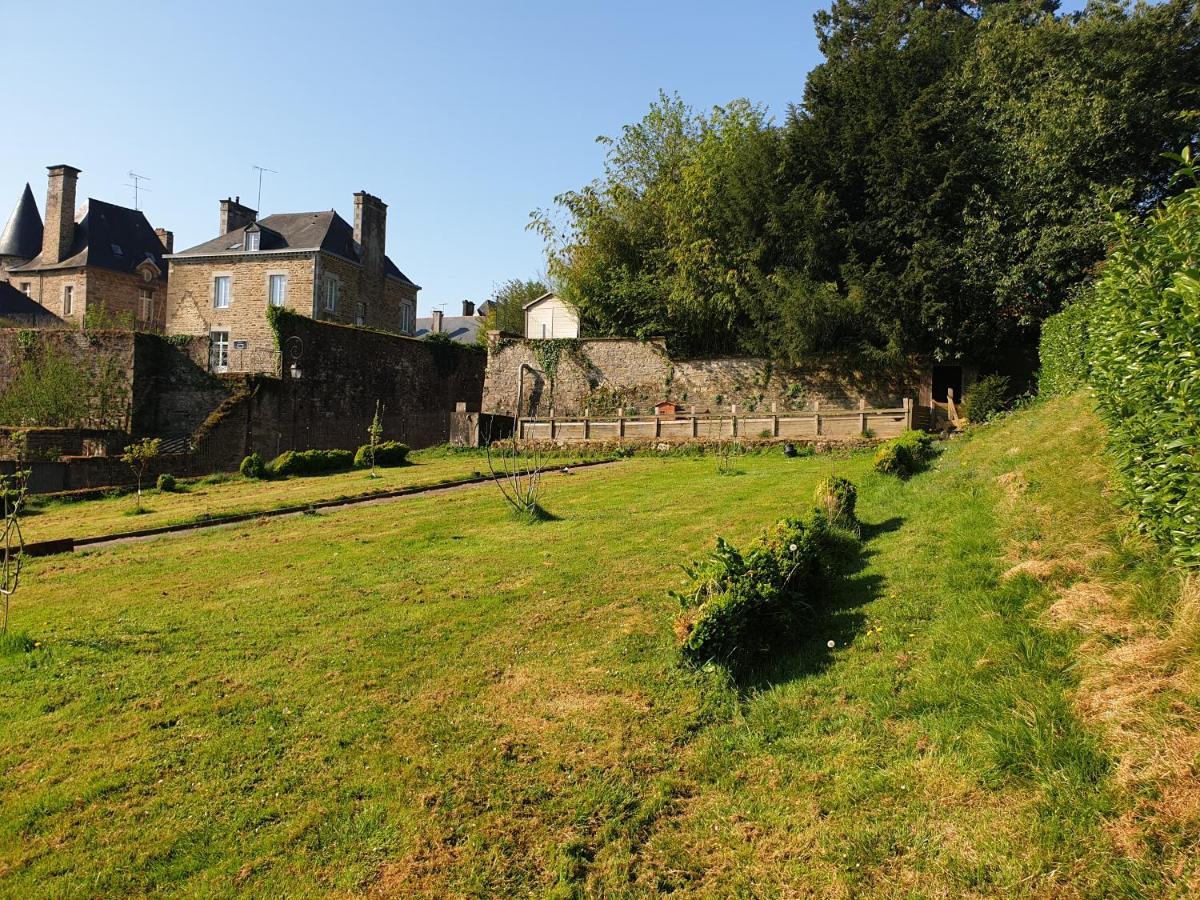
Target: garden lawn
<point>428,698</point>
<point>198,500</point>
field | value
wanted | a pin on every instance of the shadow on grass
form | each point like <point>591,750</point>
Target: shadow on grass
<point>837,615</point>
<point>534,516</point>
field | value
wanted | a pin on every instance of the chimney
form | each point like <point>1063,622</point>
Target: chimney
<point>167,238</point>
<point>234,215</point>
<point>370,231</point>
<point>468,308</point>
<point>59,232</point>
<point>436,327</point>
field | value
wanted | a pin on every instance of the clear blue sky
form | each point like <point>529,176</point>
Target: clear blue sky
<point>463,117</point>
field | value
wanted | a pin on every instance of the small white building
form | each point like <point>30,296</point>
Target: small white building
<point>550,316</point>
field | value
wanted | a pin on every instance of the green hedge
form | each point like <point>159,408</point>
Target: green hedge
<point>1138,331</point>
<point>742,604</point>
<point>387,453</point>
<point>310,462</point>
<point>1063,351</point>
<point>253,466</point>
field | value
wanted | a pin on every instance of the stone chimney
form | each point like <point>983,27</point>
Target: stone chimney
<point>59,231</point>
<point>468,308</point>
<point>370,231</point>
<point>167,238</point>
<point>436,327</point>
<point>234,215</point>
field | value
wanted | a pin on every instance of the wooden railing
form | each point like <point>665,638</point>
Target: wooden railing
<point>831,424</point>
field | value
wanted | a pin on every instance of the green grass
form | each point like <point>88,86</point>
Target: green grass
<point>198,500</point>
<point>428,698</point>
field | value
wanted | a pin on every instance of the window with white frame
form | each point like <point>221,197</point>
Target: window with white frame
<point>146,304</point>
<point>68,299</point>
<point>361,317</point>
<point>253,240</point>
<point>26,288</point>
<point>218,351</point>
<point>407,319</point>
<point>221,292</point>
<point>330,287</point>
<point>277,290</point>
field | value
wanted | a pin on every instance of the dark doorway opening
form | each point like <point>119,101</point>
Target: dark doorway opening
<point>947,377</point>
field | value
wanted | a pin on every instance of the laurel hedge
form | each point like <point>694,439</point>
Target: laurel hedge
<point>1134,338</point>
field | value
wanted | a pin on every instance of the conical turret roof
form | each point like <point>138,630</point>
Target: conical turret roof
<point>22,236</point>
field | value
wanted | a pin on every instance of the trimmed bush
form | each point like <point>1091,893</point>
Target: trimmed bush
<point>836,498</point>
<point>166,483</point>
<point>387,453</point>
<point>741,604</point>
<point>1063,351</point>
<point>310,462</point>
<point>988,397</point>
<point>905,455</point>
<point>1138,329</point>
<point>253,466</point>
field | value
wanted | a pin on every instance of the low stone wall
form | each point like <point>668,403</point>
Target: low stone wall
<point>606,376</point>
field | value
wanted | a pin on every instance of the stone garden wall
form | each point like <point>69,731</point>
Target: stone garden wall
<point>608,375</point>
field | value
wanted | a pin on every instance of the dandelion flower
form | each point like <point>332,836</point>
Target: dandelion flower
<point>830,644</point>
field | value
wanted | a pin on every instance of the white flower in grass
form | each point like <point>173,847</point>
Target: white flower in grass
<point>792,548</point>
<point>830,644</point>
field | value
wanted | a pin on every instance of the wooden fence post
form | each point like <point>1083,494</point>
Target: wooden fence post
<point>862,416</point>
<point>817,416</point>
<point>733,409</point>
<point>658,426</point>
<point>908,413</point>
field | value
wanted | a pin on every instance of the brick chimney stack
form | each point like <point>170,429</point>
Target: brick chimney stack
<point>234,215</point>
<point>59,231</point>
<point>436,327</point>
<point>167,238</point>
<point>468,308</point>
<point>370,231</point>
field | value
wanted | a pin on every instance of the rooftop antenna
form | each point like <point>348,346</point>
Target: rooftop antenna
<point>137,186</point>
<point>261,169</point>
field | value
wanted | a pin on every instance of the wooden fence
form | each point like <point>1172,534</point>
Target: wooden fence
<point>830,424</point>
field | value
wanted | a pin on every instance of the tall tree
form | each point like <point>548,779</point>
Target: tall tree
<point>506,305</point>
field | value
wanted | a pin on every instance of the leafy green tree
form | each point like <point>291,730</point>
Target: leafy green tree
<point>138,456</point>
<point>506,310</point>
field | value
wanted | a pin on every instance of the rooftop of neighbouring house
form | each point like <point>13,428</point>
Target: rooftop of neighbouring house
<point>109,237</point>
<point>461,329</point>
<point>305,232</point>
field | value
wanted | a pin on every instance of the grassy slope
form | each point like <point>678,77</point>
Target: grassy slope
<point>207,498</point>
<point>435,699</point>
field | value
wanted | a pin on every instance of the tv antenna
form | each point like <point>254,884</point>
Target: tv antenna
<point>260,170</point>
<point>137,186</point>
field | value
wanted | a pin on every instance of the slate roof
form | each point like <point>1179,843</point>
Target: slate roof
<point>15,303</point>
<point>22,236</point>
<point>462,329</point>
<point>110,237</point>
<point>299,232</point>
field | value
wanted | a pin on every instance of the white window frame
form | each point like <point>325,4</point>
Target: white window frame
<point>271,276</point>
<point>27,288</point>
<point>407,318</point>
<point>68,299</point>
<point>253,241</point>
<point>330,288</point>
<point>219,358</point>
<point>146,304</point>
<point>218,277</point>
<point>360,314</point>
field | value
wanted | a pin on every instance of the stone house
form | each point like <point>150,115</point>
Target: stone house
<point>104,261</point>
<point>550,316</point>
<point>313,263</point>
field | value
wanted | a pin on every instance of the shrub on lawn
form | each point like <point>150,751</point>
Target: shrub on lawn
<point>387,453</point>
<point>166,483</point>
<point>836,498</point>
<point>310,462</point>
<point>986,398</point>
<point>740,604</point>
<point>905,455</point>
<point>253,466</point>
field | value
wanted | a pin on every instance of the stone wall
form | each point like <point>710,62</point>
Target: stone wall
<point>607,375</point>
<point>343,372</point>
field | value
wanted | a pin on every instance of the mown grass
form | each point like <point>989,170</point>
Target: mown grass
<point>201,499</point>
<point>427,698</point>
